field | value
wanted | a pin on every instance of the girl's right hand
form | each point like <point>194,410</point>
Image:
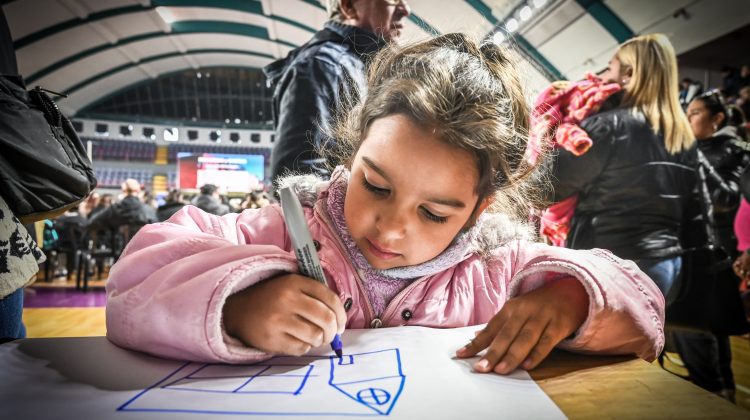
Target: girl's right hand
<point>288,314</point>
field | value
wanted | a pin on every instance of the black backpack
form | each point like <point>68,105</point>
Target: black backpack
<point>44,169</point>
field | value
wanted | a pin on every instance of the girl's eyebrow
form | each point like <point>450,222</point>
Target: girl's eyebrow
<point>444,201</point>
<point>376,168</point>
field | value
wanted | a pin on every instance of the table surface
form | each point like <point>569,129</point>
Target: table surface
<point>625,387</point>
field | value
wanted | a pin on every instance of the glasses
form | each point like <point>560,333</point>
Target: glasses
<point>714,94</point>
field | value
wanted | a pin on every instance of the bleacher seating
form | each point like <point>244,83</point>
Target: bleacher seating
<point>114,177</point>
<point>122,150</point>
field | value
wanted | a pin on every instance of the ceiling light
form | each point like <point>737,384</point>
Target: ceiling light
<point>511,25</point>
<point>525,13</point>
<point>539,3</point>
<point>498,38</point>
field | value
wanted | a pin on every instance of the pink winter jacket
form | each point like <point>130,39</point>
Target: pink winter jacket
<point>166,292</point>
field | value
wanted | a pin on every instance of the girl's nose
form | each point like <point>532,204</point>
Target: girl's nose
<point>391,225</point>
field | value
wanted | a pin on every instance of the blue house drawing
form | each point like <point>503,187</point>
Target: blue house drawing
<point>294,386</point>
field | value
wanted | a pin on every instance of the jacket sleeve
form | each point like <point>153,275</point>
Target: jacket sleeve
<point>167,291</point>
<point>626,309</point>
<point>305,107</point>
<point>101,220</point>
<point>574,174</point>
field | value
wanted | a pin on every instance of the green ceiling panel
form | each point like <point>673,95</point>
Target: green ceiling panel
<point>608,19</point>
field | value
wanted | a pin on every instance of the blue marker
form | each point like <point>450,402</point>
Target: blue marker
<point>307,257</point>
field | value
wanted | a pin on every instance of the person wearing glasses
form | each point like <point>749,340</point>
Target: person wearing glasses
<point>317,81</point>
<point>717,127</point>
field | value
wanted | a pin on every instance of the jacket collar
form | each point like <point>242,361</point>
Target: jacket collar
<point>361,41</point>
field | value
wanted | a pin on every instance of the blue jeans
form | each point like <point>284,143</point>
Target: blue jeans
<point>664,272</point>
<point>11,310</point>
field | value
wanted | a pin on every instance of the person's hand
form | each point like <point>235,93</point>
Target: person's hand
<point>289,314</point>
<point>741,266</point>
<point>529,326</point>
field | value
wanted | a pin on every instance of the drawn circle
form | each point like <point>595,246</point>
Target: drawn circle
<point>372,396</point>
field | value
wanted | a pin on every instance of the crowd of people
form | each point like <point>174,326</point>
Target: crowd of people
<point>100,217</point>
<point>662,172</point>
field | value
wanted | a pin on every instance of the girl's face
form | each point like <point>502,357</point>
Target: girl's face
<point>701,120</point>
<point>409,193</point>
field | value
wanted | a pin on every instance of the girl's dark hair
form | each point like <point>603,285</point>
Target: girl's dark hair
<point>733,116</point>
<point>470,95</point>
<point>714,102</point>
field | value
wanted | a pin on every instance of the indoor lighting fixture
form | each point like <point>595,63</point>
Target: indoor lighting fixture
<point>525,13</point>
<point>498,38</point>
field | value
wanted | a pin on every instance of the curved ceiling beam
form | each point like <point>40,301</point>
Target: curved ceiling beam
<point>145,60</point>
<point>179,28</point>
<point>431,30</point>
<point>608,19</point>
<point>246,6</point>
<point>71,104</point>
<point>533,54</point>
<point>84,113</point>
<point>72,23</point>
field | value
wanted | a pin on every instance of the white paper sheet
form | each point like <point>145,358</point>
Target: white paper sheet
<point>400,373</point>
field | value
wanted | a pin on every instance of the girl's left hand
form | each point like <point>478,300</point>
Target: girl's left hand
<point>529,326</point>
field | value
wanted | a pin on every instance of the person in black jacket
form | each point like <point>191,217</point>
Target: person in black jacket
<point>173,203</point>
<point>723,158</point>
<point>130,211</point>
<point>634,182</point>
<point>209,200</point>
<point>726,151</point>
<point>318,80</point>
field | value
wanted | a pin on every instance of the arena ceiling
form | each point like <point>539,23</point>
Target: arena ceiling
<point>90,49</point>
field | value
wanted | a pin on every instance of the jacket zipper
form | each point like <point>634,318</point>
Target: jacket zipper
<point>323,215</point>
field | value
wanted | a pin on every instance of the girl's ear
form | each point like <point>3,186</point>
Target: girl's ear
<point>718,119</point>
<point>348,9</point>
<point>477,212</point>
<point>482,207</point>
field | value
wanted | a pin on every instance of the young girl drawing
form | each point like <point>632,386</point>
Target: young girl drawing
<point>421,226</point>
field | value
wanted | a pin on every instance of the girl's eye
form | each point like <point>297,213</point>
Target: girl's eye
<point>433,217</point>
<point>382,192</point>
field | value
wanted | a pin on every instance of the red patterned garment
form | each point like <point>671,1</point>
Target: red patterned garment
<point>555,119</point>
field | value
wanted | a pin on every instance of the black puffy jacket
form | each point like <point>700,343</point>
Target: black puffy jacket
<point>632,193</point>
<point>726,157</point>
<point>130,211</point>
<point>311,85</point>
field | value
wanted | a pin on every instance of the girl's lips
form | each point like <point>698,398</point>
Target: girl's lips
<point>380,252</point>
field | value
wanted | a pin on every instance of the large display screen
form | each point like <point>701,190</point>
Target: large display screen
<point>229,172</point>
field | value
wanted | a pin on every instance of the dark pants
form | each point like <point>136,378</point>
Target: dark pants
<point>707,357</point>
<point>11,310</point>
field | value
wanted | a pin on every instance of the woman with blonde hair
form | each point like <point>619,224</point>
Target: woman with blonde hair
<point>635,180</point>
